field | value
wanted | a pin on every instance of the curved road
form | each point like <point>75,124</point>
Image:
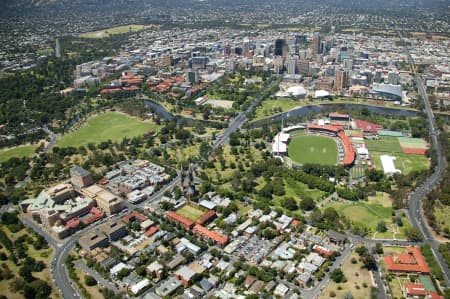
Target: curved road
<point>62,250</point>
<point>63,282</point>
<point>415,201</point>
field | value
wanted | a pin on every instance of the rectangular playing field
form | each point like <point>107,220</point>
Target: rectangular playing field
<point>110,125</point>
<point>191,212</point>
<point>114,30</point>
<point>19,152</point>
<point>313,149</point>
<point>404,162</point>
<point>385,144</point>
<point>406,142</point>
<point>368,214</point>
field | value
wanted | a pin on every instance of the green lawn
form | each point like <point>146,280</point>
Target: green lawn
<point>111,125</point>
<point>299,190</point>
<point>441,212</point>
<point>271,107</point>
<point>405,162</point>
<point>114,30</point>
<point>385,144</point>
<point>21,151</point>
<point>313,149</point>
<point>368,214</point>
<point>191,212</point>
<point>358,171</point>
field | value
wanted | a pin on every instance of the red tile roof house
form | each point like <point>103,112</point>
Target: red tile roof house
<point>203,232</point>
<point>152,230</point>
<point>208,216</point>
<point>417,290</point>
<point>367,127</point>
<point>411,262</point>
<point>134,216</point>
<point>186,223</point>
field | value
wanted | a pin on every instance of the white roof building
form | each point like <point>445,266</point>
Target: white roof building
<point>279,143</point>
<point>321,93</point>
<point>281,290</point>
<point>362,151</point>
<point>279,147</point>
<point>136,288</point>
<point>388,164</point>
<point>116,269</point>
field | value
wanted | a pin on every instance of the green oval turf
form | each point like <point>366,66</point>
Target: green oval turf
<point>313,149</point>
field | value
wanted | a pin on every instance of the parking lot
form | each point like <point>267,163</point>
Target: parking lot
<point>255,249</point>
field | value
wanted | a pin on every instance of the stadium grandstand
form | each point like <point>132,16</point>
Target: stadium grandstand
<point>345,149</point>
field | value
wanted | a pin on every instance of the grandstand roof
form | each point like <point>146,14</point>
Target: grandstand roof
<point>349,150</point>
<point>338,115</point>
<point>333,129</point>
<point>367,127</point>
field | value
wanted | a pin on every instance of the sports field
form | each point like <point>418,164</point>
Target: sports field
<point>191,212</point>
<point>110,125</point>
<point>367,214</point>
<point>271,107</point>
<point>385,144</point>
<point>405,162</point>
<point>114,30</point>
<point>313,149</point>
<point>19,152</point>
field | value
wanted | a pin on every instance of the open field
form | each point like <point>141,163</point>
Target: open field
<point>44,255</point>
<point>441,212</point>
<point>358,281</point>
<point>368,214</point>
<point>412,142</point>
<point>405,162</point>
<point>191,212</point>
<point>114,30</point>
<point>299,190</point>
<point>270,107</point>
<point>110,125</point>
<point>385,144</point>
<point>358,171</point>
<point>19,152</point>
<point>94,291</point>
<point>313,149</point>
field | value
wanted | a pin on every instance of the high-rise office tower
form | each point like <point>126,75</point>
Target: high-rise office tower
<point>291,65</point>
<point>315,44</point>
<point>58,49</point>
<point>341,79</point>
<point>281,48</point>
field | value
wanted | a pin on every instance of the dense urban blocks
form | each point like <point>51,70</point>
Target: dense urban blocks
<point>313,149</point>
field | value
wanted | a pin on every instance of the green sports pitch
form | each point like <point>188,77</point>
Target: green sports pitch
<point>110,125</point>
<point>313,149</point>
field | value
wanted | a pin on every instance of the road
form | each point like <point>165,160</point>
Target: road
<point>47,149</point>
<point>416,217</point>
<point>59,271</point>
<point>81,264</point>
